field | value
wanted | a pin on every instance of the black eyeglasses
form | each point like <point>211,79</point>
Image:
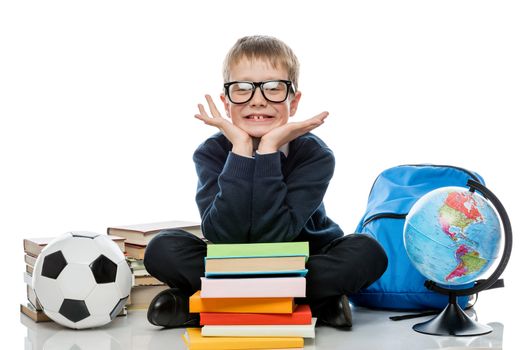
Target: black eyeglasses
<point>276,91</point>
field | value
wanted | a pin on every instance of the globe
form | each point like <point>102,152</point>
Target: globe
<point>452,236</point>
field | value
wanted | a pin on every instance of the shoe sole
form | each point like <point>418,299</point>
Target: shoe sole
<point>347,311</point>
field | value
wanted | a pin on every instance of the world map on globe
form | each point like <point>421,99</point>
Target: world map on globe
<point>452,235</point>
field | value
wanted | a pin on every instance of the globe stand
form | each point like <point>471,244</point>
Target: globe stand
<point>452,321</point>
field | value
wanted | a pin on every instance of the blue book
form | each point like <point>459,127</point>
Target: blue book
<point>268,266</point>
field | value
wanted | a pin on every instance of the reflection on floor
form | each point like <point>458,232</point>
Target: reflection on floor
<point>372,330</point>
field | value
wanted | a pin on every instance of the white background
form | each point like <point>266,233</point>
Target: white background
<point>97,101</point>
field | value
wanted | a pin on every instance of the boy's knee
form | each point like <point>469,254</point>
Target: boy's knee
<point>160,248</point>
<point>375,245</point>
<point>378,259</point>
<point>376,252</point>
<point>370,252</point>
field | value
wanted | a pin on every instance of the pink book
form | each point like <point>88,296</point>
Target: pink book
<point>268,287</point>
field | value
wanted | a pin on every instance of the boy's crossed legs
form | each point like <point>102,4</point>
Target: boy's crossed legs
<point>344,266</point>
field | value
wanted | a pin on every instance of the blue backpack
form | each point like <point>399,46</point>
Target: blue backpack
<point>394,192</point>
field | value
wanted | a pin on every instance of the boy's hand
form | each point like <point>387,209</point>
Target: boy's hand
<point>278,137</point>
<point>242,143</point>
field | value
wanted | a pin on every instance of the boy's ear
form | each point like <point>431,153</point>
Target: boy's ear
<point>294,103</point>
<point>226,103</point>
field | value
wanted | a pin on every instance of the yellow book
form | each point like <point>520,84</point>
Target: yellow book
<point>241,305</point>
<point>195,341</point>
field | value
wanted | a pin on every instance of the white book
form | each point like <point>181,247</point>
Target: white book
<point>291,330</point>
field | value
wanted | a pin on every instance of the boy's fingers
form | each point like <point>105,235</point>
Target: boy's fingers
<point>322,115</point>
<point>318,120</point>
<point>206,120</point>
<point>202,110</point>
<point>212,107</point>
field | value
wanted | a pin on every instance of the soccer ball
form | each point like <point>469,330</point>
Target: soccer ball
<point>82,280</point>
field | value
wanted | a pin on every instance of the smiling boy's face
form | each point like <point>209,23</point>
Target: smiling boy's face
<point>258,116</point>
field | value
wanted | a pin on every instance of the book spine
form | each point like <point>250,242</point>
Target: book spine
<point>268,273</point>
<point>253,287</point>
<point>242,305</point>
<point>196,341</point>
<point>258,249</point>
<point>303,331</point>
<point>301,315</point>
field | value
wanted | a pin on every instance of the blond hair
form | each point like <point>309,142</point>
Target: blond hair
<point>263,47</point>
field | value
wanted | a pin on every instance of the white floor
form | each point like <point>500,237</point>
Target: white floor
<point>372,330</point>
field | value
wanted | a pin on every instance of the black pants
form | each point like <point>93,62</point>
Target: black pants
<point>344,266</point>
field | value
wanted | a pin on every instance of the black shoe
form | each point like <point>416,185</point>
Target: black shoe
<point>170,308</point>
<point>336,313</point>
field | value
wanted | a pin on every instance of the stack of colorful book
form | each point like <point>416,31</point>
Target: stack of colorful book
<point>247,299</point>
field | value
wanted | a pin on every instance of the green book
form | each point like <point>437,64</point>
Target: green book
<point>237,250</point>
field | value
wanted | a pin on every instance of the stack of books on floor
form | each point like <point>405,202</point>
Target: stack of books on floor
<point>32,248</point>
<point>247,299</point>
<point>145,287</point>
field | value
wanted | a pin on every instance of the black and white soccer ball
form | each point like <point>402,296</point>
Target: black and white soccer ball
<point>82,280</point>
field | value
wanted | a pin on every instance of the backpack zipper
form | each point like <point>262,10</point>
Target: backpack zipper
<point>384,215</point>
<point>473,176</point>
<point>402,216</point>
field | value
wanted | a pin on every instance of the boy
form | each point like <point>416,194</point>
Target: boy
<point>262,179</point>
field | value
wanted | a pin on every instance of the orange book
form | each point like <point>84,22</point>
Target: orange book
<point>195,341</point>
<point>301,315</point>
<point>241,305</point>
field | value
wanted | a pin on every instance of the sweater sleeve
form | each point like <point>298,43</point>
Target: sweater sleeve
<point>282,206</point>
<point>224,194</point>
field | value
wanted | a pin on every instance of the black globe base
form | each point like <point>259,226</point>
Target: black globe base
<point>452,321</point>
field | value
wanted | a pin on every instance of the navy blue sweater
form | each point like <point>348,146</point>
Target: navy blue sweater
<point>267,198</point>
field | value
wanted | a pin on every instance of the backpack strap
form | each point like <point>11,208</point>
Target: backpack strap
<point>419,314</point>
